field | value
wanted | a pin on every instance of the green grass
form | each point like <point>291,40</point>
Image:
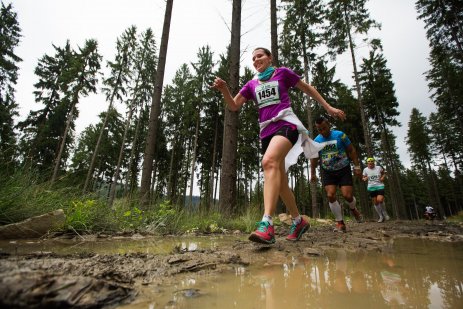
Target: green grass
<point>458,218</point>
<point>23,196</point>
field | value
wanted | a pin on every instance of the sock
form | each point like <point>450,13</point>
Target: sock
<point>297,220</point>
<point>383,210</point>
<point>268,219</point>
<point>379,210</point>
<point>336,209</point>
<point>353,203</point>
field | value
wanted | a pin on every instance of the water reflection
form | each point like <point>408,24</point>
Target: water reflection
<point>122,245</point>
<point>408,274</point>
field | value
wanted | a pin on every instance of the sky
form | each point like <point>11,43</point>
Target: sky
<point>197,23</point>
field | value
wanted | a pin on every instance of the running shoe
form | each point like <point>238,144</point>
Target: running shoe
<point>297,230</point>
<point>381,219</point>
<point>264,234</point>
<point>386,217</point>
<point>340,227</point>
<point>357,215</point>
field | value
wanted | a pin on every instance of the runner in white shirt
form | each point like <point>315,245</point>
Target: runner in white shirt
<point>375,175</point>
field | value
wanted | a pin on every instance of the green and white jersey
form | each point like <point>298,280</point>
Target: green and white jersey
<point>374,175</point>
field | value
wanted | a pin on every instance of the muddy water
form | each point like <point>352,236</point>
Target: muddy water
<point>115,245</point>
<point>409,273</point>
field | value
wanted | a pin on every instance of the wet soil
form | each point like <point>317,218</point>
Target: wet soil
<point>49,280</point>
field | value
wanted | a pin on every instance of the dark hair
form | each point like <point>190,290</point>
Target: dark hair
<point>266,51</point>
<point>320,120</point>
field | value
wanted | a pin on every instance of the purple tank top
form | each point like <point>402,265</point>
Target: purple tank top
<point>271,97</point>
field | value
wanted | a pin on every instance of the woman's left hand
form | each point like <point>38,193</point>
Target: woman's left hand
<point>337,113</point>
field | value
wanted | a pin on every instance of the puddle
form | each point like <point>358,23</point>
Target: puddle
<point>410,274</point>
<point>123,245</point>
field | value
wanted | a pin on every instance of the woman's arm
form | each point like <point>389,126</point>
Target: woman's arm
<point>311,91</point>
<point>233,104</point>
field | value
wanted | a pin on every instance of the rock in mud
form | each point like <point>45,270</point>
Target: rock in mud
<point>34,227</point>
<point>41,290</point>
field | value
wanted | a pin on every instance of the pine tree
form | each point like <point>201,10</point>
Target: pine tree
<point>346,18</point>
<point>299,38</point>
<point>115,84</point>
<point>230,134</point>
<point>63,78</point>
<point>10,34</point>
<point>104,162</point>
<point>419,146</point>
<point>141,87</point>
<point>155,109</point>
<point>248,146</point>
<point>381,108</point>
<point>81,79</point>
<point>444,24</point>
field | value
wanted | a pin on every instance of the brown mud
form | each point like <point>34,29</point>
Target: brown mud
<point>49,280</point>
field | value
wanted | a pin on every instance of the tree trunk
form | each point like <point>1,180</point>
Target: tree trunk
<point>313,185</point>
<point>193,159</point>
<point>366,133</point>
<point>211,200</point>
<point>63,142</point>
<point>274,31</point>
<point>434,192</point>
<point>155,109</point>
<point>100,137</point>
<point>112,190</point>
<point>130,177</point>
<point>230,135</point>
<point>170,185</point>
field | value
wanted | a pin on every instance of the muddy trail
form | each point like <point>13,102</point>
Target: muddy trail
<point>90,280</point>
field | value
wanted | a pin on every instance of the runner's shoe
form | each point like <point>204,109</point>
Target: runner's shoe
<point>381,219</point>
<point>340,227</point>
<point>264,234</point>
<point>297,230</point>
<point>357,215</point>
<point>386,217</point>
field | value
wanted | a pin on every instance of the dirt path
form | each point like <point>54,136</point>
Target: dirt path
<point>44,280</point>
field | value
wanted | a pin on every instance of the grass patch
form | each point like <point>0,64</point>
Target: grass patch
<point>23,196</point>
<point>458,218</point>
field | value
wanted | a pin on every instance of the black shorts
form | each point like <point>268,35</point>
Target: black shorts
<point>289,132</point>
<point>376,193</point>
<point>342,177</point>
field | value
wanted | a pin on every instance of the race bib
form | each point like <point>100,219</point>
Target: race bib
<point>267,94</point>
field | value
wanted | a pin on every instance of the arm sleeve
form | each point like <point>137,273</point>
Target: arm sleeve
<point>290,77</point>
<point>246,91</point>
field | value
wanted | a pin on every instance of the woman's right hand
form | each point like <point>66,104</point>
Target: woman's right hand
<point>219,84</point>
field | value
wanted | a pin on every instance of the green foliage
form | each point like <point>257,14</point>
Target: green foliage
<point>81,215</point>
<point>458,218</point>
<point>129,219</point>
<point>10,35</point>
<point>346,18</point>
<point>443,24</point>
<point>418,139</point>
<point>63,79</point>
<point>22,195</point>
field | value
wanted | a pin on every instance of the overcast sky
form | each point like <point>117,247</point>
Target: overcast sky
<point>196,23</point>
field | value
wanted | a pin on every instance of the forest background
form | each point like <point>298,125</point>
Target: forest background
<point>56,144</point>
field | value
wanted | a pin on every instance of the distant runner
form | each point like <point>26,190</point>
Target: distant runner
<point>374,175</point>
<point>335,158</point>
